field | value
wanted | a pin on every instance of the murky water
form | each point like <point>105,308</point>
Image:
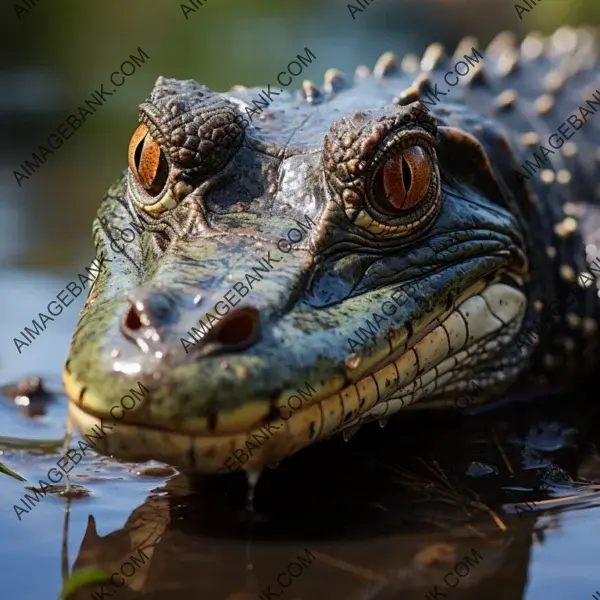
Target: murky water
<point>501,505</point>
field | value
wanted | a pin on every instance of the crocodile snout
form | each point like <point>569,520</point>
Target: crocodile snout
<point>151,314</point>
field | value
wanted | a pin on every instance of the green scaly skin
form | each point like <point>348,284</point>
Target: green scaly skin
<point>483,241</point>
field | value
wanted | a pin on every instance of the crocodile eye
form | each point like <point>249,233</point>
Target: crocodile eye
<point>405,179</point>
<point>147,161</point>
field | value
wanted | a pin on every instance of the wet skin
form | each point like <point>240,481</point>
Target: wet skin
<point>410,212</point>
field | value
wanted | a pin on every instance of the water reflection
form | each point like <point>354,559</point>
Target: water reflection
<point>389,515</point>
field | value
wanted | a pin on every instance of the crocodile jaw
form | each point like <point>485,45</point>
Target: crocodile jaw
<point>481,327</point>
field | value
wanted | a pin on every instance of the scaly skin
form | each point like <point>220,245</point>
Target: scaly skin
<point>481,258</point>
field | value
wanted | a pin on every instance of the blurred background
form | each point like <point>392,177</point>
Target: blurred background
<point>59,52</point>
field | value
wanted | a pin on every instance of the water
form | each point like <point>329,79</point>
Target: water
<point>384,516</point>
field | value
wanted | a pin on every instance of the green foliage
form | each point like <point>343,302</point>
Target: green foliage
<point>549,16</point>
<point>80,579</point>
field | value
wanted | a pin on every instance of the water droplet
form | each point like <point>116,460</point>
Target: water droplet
<point>252,477</point>
<point>383,421</point>
<point>349,432</point>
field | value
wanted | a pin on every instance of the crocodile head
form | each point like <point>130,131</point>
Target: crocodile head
<point>347,254</point>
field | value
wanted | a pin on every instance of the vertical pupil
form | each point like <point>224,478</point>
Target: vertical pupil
<point>406,175</point>
<point>138,153</point>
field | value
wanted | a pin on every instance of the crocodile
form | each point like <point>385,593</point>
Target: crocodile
<point>418,224</point>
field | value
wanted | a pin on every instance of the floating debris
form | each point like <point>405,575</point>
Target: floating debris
<point>29,395</point>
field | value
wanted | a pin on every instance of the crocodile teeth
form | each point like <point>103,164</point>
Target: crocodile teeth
<point>447,344</point>
<point>383,421</point>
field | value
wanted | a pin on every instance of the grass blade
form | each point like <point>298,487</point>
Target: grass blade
<point>4,469</point>
<point>80,579</point>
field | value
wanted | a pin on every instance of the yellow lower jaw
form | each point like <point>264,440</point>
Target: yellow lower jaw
<point>251,450</point>
<point>211,453</point>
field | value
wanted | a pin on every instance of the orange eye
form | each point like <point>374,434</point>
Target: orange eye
<point>147,161</point>
<point>406,178</point>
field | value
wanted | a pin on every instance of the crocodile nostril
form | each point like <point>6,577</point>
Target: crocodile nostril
<point>132,321</point>
<point>148,313</point>
<point>237,330</point>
